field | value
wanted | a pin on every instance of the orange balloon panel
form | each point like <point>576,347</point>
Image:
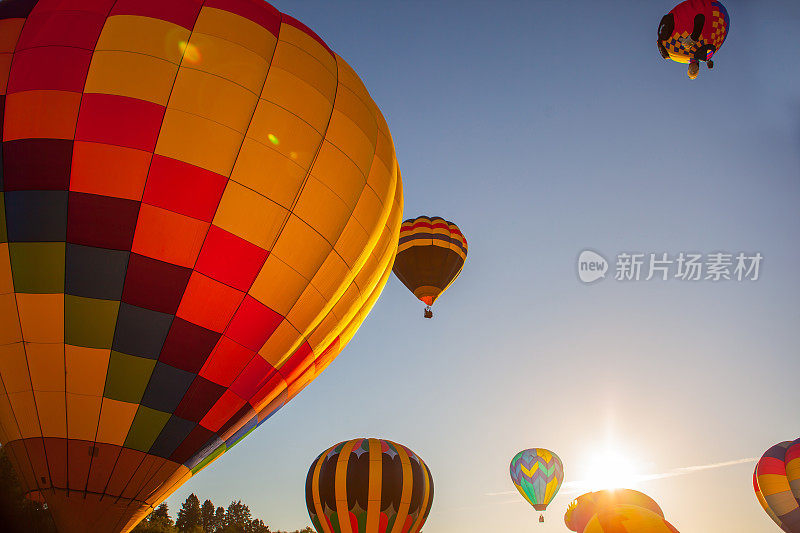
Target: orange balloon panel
<point>585,506</point>
<point>628,519</point>
<point>199,205</point>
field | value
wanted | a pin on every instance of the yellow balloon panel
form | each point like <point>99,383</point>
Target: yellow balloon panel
<point>628,519</point>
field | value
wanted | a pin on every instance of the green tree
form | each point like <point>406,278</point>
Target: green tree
<point>258,526</point>
<point>237,518</point>
<point>207,517</point>
<point>189,516</point>
<point>219,520</point>
<point>158,521</point>
<point>160,518</point>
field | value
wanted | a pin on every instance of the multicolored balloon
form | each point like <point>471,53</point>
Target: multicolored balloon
<point>584,507</point>
<point>776,481</point>
<point>693,31</point>
<point>537,474</point>
<point>763,502</point>
<point>368,486</point>
<point>628,519</point>
<point>199,205</point>
<point>430,257</point>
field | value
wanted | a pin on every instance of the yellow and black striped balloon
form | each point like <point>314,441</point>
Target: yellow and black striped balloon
<point>368,486</point>
<point>430,256</point>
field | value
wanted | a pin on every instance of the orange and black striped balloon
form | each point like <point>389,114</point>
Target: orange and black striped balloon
<point>430,256</point>
<point>369,486</point>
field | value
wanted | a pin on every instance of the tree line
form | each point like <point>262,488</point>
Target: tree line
<point>206,518</point>
<point>19,514</point>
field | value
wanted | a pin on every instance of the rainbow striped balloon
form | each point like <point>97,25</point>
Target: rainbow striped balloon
<point>537,473</point>
<point>777,484</point>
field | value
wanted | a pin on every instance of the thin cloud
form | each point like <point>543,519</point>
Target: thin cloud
<point>575,487</point>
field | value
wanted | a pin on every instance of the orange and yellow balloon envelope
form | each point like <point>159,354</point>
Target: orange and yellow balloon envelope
<point>584,507</point>
<point>628,519</point>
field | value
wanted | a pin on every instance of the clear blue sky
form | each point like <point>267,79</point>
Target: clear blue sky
<point>542,128</point>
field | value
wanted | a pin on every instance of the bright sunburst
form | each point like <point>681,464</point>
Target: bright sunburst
<point>611,468</point>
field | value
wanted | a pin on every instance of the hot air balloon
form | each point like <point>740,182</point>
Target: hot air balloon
<point>693,32</point>
<point>584,507</point>
<point>368,486</point>
<point>430,257</point>
<point>537,474</point>
<point>777,484</point>
<point>200,204</point>
<point>763,502</point>
<point>628,519</point>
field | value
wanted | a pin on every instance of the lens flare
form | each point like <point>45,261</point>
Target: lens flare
<point>190,52</point>
<point>273,139</point>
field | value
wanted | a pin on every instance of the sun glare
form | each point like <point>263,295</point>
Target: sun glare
<point>611,469</point>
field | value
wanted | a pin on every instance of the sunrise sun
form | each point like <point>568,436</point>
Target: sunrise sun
<point>611,468</point>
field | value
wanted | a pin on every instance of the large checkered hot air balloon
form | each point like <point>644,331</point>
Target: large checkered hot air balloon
<point>537,474</point>
<point>430,257</point>
<point>693,31</point>
<point>200,204</point>
<point>776,481</point>
<point>368,486</point>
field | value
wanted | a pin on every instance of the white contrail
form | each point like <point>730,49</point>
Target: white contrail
<point>574,487</point>
<point>699,468</point>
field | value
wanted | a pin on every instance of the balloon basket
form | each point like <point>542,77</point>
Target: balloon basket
<point>428,313</point>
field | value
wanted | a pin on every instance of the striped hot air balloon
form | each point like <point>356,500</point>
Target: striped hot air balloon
<point>368,486</point>
<point>777,484</point>
<point>537,474</point>
<point>199,204</point>
<point>430,257</point>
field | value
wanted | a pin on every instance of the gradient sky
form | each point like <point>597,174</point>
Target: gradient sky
<point>543,128</point>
